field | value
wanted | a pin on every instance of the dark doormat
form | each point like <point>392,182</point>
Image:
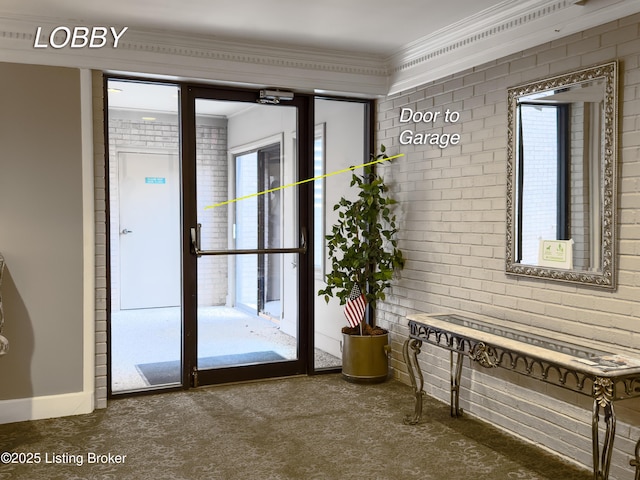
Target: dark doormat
<point>161,373</point>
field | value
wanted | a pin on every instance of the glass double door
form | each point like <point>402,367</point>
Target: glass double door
<point>244,251</point>
<point>215,234</point>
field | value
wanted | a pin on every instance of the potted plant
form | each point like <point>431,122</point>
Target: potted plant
<point>364,254</point>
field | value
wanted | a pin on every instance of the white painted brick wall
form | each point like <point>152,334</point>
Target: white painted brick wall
<point>101,242</point>
<point>211,159</point>
<point>213,187</point>
<point>452,211</point>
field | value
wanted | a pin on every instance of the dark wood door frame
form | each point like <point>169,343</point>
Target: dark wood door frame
<point>190,375</point>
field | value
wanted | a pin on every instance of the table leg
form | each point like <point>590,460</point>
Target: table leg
<point>416,377</point>
<point>456,372</point>
<point>603,399</point>
<point>635,462</point>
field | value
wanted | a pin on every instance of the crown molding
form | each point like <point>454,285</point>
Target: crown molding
<point>203,58</point>
<point>508,28</point>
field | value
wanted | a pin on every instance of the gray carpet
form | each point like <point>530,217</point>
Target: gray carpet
<point>288,429</point>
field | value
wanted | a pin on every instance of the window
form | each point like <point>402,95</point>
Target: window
<point>318,200</point>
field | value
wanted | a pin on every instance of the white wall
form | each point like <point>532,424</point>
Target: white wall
<point>453,235</point>
<point>344,128</point>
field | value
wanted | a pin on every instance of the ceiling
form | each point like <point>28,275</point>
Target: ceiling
<point>369,48</point>
<point>378,27</point>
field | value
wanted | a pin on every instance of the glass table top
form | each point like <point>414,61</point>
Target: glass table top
<point>599,358</point>
<point>572,349</point>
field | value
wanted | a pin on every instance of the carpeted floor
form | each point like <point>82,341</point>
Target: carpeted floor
<point>288,429</point>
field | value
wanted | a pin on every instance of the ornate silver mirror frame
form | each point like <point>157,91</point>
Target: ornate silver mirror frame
<point>601,272</point>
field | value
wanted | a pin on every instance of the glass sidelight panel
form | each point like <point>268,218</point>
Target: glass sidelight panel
<point>341,141</point>
<point>247,311</point>
<point>145,230</point>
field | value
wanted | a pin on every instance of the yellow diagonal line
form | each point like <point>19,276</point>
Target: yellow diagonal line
<point>304,181</point>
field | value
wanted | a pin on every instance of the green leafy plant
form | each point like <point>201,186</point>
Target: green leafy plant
<point>362,245</point>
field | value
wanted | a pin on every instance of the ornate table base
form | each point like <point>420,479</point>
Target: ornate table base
<point>574,367</point>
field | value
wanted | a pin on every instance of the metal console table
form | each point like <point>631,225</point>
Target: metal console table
<point>604,376</point>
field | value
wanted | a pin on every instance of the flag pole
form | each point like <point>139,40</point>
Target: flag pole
<point>365,311</point>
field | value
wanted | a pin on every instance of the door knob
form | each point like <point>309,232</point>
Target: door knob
<point>126,231</point>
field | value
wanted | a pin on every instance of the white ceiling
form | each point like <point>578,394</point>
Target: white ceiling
<point>370,48</point>
<point>380,27</point>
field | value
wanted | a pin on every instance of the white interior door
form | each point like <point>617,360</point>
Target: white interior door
<point>149,230</point>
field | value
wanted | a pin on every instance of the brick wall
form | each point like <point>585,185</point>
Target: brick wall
<point>213,187</point>
<point>101,240</point>
<point>452,206</point>
<point>128,134</point>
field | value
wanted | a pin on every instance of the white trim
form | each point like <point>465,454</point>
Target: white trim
<point>204,58</point>
<point>255,145</point>
<point>507,28</point>
<point>51,406</point>
<point>511,27</point>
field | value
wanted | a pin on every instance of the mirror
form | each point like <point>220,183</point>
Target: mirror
<point>561,177</point>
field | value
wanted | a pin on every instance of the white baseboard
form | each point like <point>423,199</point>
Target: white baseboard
<point>51,406</point>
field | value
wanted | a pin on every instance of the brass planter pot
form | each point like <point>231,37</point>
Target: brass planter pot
<point>365,358</point>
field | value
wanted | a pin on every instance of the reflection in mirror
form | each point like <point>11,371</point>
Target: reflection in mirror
<point>561,177</point>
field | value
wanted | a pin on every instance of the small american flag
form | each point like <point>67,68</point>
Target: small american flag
<point>355,307</point>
